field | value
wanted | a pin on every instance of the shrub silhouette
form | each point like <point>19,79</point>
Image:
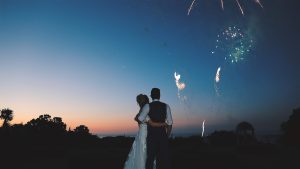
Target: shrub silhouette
<point>291,128</point>
<point>245,133</point>
<point>82,130</point>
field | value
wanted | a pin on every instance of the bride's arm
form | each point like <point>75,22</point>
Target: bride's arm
<point>156,124</point>
<point>136,118</point>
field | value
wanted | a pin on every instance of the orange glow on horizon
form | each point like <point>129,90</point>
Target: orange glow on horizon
<point>107,123</point>
<point>111,125</point>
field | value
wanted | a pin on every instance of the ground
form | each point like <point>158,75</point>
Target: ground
<point>185,154</point>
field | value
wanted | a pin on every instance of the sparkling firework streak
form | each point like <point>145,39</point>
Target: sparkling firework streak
<point>217,79</point>
<point>222,5</point>
<point>259,3</point>
<point>191,7</point>
<point>203,127</point>
<point>242,11</point>
<point>180,85</point>
<point>234,44</point>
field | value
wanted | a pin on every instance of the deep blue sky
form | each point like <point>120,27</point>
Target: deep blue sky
<point>86,60</point>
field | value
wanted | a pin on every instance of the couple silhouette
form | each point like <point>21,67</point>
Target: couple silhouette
<point>150,149</point>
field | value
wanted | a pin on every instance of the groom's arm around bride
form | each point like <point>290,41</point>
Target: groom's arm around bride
<point>142,117</point>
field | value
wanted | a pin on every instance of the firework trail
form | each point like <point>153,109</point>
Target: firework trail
<point>242,11</point>
<point>259,3</point>
<point>222,4</point>
<point>180,85</point>
<point>203,127</point>
<point>191,7</point>
<point>217,80</point>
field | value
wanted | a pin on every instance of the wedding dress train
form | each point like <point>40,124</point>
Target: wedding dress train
<point>138,154</point>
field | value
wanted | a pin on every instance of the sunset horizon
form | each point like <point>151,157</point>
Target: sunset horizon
<point>86,61</point>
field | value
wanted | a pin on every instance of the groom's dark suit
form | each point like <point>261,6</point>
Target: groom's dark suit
<point>157,139</point>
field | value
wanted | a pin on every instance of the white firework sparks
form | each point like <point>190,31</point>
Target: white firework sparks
<point>203,127</point>
<point>222,5</point>
<point>180,85</point>
<point>239,5</point>
<point>191,7</point>
<point>259,3</point>
<point>217,79</point>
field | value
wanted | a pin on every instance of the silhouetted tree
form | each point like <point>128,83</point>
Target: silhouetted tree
<point>40,124</point>
<point>45,117</point>
<point>291,129</point>
<point>58,124</point>
<point>45,124</point>
<point>57,120</point>
<point>245,133</point>
<point>7,116</point>
<point>82,130</point>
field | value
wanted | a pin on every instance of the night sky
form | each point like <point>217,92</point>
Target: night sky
<point>86,60</point>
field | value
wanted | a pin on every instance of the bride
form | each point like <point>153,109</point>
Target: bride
<point>137,156</point>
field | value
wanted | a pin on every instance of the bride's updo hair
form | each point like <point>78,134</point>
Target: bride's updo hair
<point>142,99</point>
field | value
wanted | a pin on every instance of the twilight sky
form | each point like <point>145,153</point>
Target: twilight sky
<point>86,60</point>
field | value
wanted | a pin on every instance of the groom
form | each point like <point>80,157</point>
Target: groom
<point>157,138</point>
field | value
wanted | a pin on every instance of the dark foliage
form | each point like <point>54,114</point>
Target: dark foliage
<point>45,125</point>
<point>45,143</point>
<point>223,138</point>
<point>291,129</point>
<point>245,133</point>
<point>43,131</point>
<point>82,130</point>
<point>7,116</point>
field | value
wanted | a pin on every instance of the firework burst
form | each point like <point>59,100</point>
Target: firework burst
<point>234,44</point>
<point>239,5</point>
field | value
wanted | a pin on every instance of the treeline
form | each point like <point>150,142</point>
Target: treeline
<point>43,130</point>
<point>46,130</point>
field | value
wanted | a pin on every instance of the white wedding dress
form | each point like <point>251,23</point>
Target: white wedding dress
<point>138,154</point>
